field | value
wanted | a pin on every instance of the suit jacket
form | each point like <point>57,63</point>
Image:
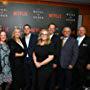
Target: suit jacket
<point>32,43</point>
<point>84,52</point>
<point>69,53</point>
<point>55,41</point>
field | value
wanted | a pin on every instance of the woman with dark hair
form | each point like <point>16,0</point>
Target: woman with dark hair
<point>5,72</point>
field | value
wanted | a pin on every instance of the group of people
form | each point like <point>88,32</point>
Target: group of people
<point>47,61</point>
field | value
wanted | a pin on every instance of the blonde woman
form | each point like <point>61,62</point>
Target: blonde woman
<point>17,59</point>
<point>43,56</point>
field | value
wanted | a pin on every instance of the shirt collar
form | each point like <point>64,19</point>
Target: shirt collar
<point>28,36</point>
<point>82,36</point>
<point>51,36</point>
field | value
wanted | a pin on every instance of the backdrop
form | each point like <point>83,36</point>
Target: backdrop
<point>38,16</point>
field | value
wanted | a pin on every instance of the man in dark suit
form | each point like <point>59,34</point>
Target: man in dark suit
<point>68,58</point>
<point>29,42</point>
<point>83,62</point>
<point>54,40</point>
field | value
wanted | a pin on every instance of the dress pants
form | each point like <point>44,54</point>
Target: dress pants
<point>65,79</point>
<point>42,78</point>
<point>29,69</point>
<point>18,75</point>
<point>79,77</point>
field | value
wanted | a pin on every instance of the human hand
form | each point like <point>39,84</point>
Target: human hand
<point>38,64</point>
<point>70,67</point>
<point>88,66</point>
<point>54,65</point>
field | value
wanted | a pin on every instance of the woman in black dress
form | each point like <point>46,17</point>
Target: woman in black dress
<point>17,60</point>
<point>43,56</point>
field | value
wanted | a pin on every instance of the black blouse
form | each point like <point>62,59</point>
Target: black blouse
<point>42,53</point>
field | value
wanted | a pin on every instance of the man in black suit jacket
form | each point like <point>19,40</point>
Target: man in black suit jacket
<point>83,62</point>
<point>68,58</point>
<point>54,37</point>
<point>29,42</point>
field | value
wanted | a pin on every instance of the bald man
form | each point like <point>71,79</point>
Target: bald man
<point>68,58</point>
<point>83,62</point>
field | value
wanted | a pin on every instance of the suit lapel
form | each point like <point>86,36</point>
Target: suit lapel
<point>66,42</point>
<point>52,38</point>
<point>30,40</point>
<point>82,41</point>
<point>24,42</point>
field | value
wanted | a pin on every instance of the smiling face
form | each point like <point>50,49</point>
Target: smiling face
<point>27,30</point>
<point>16,33</point>
<point>3,36</point>
<point>44,35</point>
<point>66,32</point>
<point>52,29</point>
<point>81,31</point>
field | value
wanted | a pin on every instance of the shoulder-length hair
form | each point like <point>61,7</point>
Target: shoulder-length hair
<point>5,33</point>
<point>13,36</point>
<point>48,41</point>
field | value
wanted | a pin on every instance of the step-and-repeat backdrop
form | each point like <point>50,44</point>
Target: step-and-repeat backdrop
<point>38,16</point>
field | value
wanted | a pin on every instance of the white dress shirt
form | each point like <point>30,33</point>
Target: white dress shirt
<point>51,36</point>
<point>80,39</point>
<point>27,39</point>
<point>64,40</point>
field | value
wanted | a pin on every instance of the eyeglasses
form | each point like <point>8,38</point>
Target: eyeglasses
<point>43,34</point>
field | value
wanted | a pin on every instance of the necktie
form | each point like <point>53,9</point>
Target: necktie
<point>78,39</point>
<point>63,42</point>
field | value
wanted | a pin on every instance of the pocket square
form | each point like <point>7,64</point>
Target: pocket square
<point>85,45</point>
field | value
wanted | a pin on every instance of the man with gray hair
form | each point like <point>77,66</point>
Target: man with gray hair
<point>68,58</point>
<point>83,63</point>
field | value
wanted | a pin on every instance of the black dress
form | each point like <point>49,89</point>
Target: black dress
<point>17,65</point>
<point>43,73</point>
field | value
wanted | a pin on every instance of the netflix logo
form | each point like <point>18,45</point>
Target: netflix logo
<point>59,16</point>
<point>20,13</point>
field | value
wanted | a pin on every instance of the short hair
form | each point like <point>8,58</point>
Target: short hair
<point>26,25</point>
<point>66,27</point>
<point>82,27</point>
<point>5,33</point>
<point>52,24</point>
<point>2,31</point>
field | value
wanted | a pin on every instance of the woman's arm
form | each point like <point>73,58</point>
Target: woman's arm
<point>46,61</point>
<point>34,57</point>
<point>19,54</point>
<point>37,64</point>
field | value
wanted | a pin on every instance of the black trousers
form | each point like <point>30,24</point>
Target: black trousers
<point>42,76</point>
<point>29,70</point>
<point>79,76</point>
<point>53,79</point>
<point>65,79</point>
<point>18,75</point>
<point>87,77</point>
